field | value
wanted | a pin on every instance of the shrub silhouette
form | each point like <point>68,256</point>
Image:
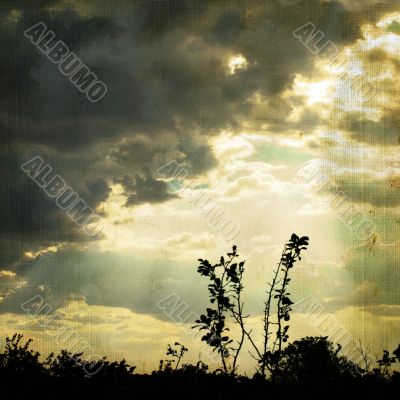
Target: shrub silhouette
<point>66,365</point>
<point>19,360</point>
<point>313,360</point>
<point>225,290</point>
<point>177,352</point>
<point>386,362</point>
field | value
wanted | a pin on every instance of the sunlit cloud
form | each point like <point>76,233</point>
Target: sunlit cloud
<point>237,63</point>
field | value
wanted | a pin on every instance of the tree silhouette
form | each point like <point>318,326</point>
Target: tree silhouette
<point>312,360</point>
<point>19,360</point>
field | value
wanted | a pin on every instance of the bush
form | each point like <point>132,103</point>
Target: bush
<point>313,360</point>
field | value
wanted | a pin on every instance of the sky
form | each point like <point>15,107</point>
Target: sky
<point>242,99</point>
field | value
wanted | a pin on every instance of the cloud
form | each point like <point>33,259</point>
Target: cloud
<point>364,189</point>
<point>166,66</point>
<point>375,273</point>
<point>112,279</point>
<point>384,132</point>
<point>145,190</point>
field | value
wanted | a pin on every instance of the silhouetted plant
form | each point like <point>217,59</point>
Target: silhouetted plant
<point>312,360</point>
<point>73,365</point>
<point>19,359</point>
<point>66,365</point>
<point>115,370</point>
<point>290,255</point>
<point>367,360</point>
<point>165,366</point>
<point>177,353</point>
<point>387,360</point>
<point>397,353</point>
<point>307,367</point>
<point>199,369</point>
<point>225,290</point>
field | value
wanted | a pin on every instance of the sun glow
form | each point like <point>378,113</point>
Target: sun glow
<point>237,63</point>
<point>316,92</point>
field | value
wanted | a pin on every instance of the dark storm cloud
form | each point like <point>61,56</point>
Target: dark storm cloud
<point>98,191</point>
<point>165,72</point>
<point>26,213</point>
<point>143,152</point>
<point>383,132</point>
<point>367,190</point>
<point>145,190</point>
